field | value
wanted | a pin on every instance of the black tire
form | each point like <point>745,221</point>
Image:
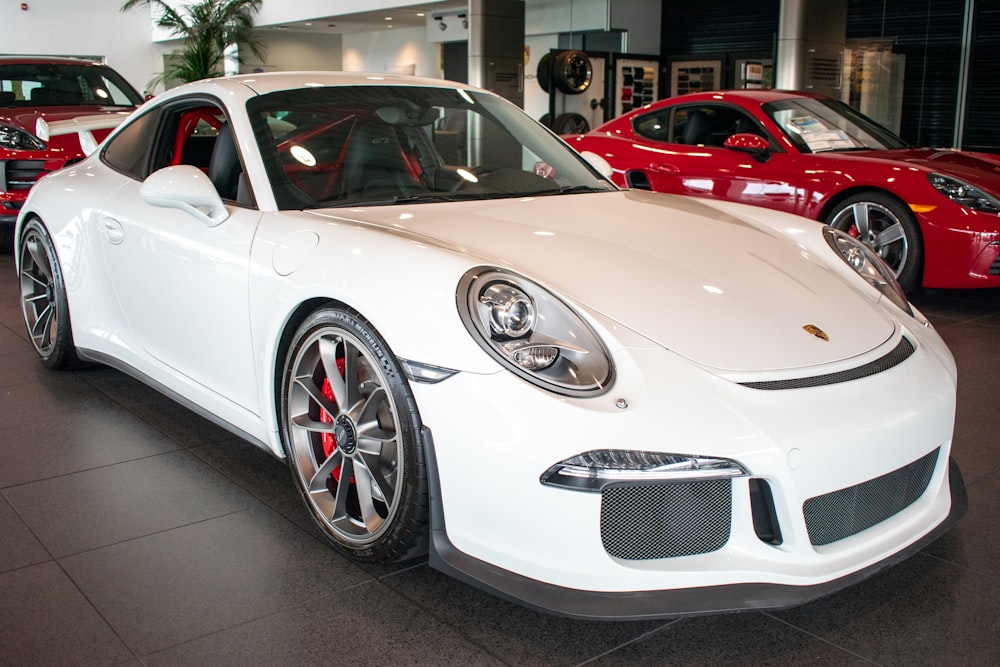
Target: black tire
<point>572,72</point>
<point>888,227</point>
<point>358,461</point>
<point>43,298</point>
<point>543,73</point>
<point>570,123</point>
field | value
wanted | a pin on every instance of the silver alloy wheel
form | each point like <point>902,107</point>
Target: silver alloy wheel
<point>344,436</point>
<point>38,292</point>
<point>877,227</point>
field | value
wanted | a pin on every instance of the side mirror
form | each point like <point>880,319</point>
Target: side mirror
<point>746,142</point>
<point>602,166</point>
<point>186,188</point>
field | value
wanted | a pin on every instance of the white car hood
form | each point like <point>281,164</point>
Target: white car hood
<point>713,288</point>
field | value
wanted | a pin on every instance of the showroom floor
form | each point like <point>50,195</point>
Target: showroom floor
<point>133,532</point>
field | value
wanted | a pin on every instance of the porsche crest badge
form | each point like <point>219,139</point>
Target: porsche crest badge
<point>816,331</point>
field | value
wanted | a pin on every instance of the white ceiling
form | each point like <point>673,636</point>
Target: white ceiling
<point>412,16</point>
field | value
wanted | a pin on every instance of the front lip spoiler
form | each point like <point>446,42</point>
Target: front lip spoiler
<point>639,605</point>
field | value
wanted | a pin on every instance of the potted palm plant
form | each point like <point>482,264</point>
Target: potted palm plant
<point>208,28</point>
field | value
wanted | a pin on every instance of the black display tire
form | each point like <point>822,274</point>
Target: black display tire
<point>543,73</point>
<point>572,72</point>
<point>44,305</point>
<point>352,433</point>
<point>570,123</point>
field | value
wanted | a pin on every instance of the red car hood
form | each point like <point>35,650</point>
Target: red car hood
<point>981,169</point>
<point>28,117</point>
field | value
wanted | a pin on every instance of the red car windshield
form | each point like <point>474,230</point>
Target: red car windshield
<point>821,125</point>
<point>56,84</point>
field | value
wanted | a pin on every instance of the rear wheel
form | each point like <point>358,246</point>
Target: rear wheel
<point>43,298</point>
<point>352,434</point>
<point>889,228</point>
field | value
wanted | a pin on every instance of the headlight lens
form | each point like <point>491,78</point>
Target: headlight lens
<point>964,194</point>
<point>13,138</point>
<point>533,333</point>
<point>593,470</point>
<point>868,265</point>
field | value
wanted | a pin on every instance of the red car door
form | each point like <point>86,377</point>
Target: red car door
<point>687,156</point>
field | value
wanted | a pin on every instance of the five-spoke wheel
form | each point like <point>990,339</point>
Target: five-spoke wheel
<point>887,227</point>
<point>352,435</point>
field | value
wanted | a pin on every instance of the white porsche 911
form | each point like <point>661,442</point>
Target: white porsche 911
<point>467,343</point>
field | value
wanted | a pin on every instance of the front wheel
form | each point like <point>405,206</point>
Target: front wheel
<point>351,431</point>
<point>43,298</point>
<point>889,228</point>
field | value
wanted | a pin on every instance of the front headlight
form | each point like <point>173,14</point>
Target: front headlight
<point>869,266</point>
<point>593,470</point>
<point>533,333</point>
<point>13,138</point>
<point>964,194</point>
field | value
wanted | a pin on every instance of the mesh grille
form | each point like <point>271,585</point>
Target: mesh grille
<point>839,514</point>
<point>897,356</point>
<point>666,520</point>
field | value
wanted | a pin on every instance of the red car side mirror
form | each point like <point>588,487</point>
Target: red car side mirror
<point>754,144</point>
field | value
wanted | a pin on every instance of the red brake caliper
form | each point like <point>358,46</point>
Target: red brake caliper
<point>328,439</point>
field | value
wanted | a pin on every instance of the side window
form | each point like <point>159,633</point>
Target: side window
<point>655,126</point>
<point>197,133</point>
<point>128,151</point>
<point>710,125</point>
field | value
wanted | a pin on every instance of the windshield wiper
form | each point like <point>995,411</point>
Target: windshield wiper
<point>387,201</point>
<point>566,190</point>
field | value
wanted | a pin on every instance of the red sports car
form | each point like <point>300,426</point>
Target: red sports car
<point>50,90</point>
<point>932,215</point>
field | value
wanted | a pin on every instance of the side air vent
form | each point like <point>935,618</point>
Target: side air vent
<point>637,180</point>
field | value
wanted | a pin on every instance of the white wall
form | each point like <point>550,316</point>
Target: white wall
<point>290,51</point>
<point>400,51</point>
<point>91,28</point>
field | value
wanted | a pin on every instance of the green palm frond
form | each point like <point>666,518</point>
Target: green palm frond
<point>206,28</point>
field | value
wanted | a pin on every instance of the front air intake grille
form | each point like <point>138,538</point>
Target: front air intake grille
<point>995,267</point>
<point>898,355</point>
<point>640,522</point>
<point>22,174</point>
<point>839,514</point>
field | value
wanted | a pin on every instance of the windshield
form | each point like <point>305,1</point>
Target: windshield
<point>52,84</point>
<point>819,125</point>
<point>370,145</point>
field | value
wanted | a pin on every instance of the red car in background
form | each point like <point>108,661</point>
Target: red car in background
<point>50,90</point>
<point>932,215</point>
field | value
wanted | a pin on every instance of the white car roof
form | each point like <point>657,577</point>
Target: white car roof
<point>246,85</point>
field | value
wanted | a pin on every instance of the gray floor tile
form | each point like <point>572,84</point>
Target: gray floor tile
<point>521,636</point>
<point>181,584</point>
<point>924,611</point>
<point>95,508</point>
<point>733,639</point>
<point>18,546</point>
<point>67,438</point>
<point>363,625</point>
<point>44,620</point>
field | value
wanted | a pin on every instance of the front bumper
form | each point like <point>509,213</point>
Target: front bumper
<point>961,248</point>
<point>638,605</point>
<point>497,526</point>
